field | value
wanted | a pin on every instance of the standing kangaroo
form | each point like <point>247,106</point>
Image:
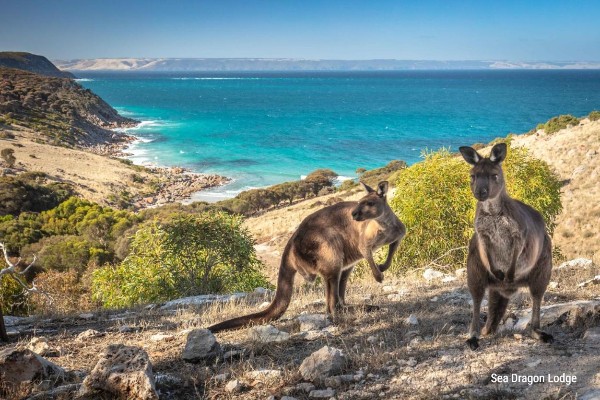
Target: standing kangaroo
<point>510,247</point>
<point>329,243</point>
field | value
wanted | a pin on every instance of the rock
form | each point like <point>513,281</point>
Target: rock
<point>310,322</point>
<point>578,263</point>
<point>306,387</point>
<point>232,354</point>
<point>268,334</point>
<point>591,394</point>
<point>161,337</point>
<point>233,386</point>
<point>553,285</point>
<point>9,320</point>
<point>322,363</point>
<point>534,363</point>
<point>88,334</point>
<point>39,345</point>
<point>86,316</point>
<point>389,289</point>
<point>460,273</point>
<point>265,374</point>
<point>201,345</point>
<point>261,290</point>
<point>412,320</point>
<point>311,335</point>
<point>25,366</point>
<point>167,380</point>
<point>221,377</point>
<point>126,329</point>
<point>395,297</point>
<point>430,274</point>
<point>322,394</point>
<point>594,281</point>
<point>201,300</point>
<point>592,335</point>
<point>263,305</point>
<point>449,278</point>
<point>124,371</point>
<point>551,313</point>
<point>372,339</point>
<point>288,398</point>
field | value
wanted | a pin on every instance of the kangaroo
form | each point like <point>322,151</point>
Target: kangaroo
<point>509,249</point>
<point>330,242</point>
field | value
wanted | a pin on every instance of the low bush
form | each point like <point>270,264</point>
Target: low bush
<point>557,123</point>
<point>191,255</point>
<point>594,116</point>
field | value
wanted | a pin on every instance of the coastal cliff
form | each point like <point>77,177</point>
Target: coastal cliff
<point>61,110</point>
<point>32,63</point>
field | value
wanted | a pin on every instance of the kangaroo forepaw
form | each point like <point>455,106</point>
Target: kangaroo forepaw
<point>378,277</point>
<point>382,267</point>
<point>542,336</point>
<point>473,343</point>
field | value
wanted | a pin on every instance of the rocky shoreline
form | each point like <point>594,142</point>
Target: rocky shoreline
<point>177,184</point>
<point>173,184</point>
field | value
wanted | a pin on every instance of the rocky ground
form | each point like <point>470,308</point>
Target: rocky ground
<point>413,347</point>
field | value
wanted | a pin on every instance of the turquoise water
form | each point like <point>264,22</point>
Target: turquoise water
<point>266,128</point>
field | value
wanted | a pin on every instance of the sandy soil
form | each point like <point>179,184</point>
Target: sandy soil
<point>574,154</point>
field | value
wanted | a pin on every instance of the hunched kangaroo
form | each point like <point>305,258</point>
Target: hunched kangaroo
<point>509,249</point>
<point>329,243</point>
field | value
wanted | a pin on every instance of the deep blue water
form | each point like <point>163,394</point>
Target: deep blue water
<point>265,128</point>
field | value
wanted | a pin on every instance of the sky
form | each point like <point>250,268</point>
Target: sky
<point>525,30</point>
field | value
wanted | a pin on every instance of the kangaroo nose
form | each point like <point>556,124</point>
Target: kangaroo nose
<point>355,214</point>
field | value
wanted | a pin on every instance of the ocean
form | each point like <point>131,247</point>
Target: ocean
<point>265,128</point>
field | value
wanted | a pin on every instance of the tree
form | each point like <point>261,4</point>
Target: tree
<point>11,271</point>
<point>8,155</point>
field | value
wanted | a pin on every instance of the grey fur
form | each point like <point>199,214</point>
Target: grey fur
<point>509,249</point>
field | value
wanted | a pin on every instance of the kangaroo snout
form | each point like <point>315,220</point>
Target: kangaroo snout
<point>482,194</point>
<point>356,215</point>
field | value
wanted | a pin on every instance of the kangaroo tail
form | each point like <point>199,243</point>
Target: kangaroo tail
<point>283,296</point>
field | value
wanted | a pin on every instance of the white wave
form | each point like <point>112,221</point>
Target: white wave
<point>84,80</point>
<point>143,125</point>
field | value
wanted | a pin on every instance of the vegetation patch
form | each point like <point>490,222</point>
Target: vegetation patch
<point>191,255</point>
<point>434,201</point>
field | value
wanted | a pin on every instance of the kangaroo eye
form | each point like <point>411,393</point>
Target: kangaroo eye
<point>495,177</point>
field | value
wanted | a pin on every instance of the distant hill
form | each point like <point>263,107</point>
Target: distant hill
<point>288,64</point>
<point>32,63</point>
<point>59,109</point>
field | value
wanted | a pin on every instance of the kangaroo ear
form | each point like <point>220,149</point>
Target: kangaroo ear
<point>470,155</point>
<point>498,153</point>
<point>368,188</point>
<point>382,188</point>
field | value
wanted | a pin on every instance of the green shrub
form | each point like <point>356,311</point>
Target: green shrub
<point>434,201</point>
<point>193,254</point>
<point>594,116</point>
<point>561,122</point>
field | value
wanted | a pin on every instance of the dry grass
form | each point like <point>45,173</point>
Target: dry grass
<point>95,177</point>
<point>378,343</point>
<point>574,154</point>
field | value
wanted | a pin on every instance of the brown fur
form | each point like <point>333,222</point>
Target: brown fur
<point>510,247</point>
<point>329,243</point>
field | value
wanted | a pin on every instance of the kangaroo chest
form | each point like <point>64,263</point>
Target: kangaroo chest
<point>376,235</point>
<point>499,237</point>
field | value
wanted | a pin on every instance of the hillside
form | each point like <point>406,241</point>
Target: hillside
<point>59,109</point>
<point>32,63</point>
